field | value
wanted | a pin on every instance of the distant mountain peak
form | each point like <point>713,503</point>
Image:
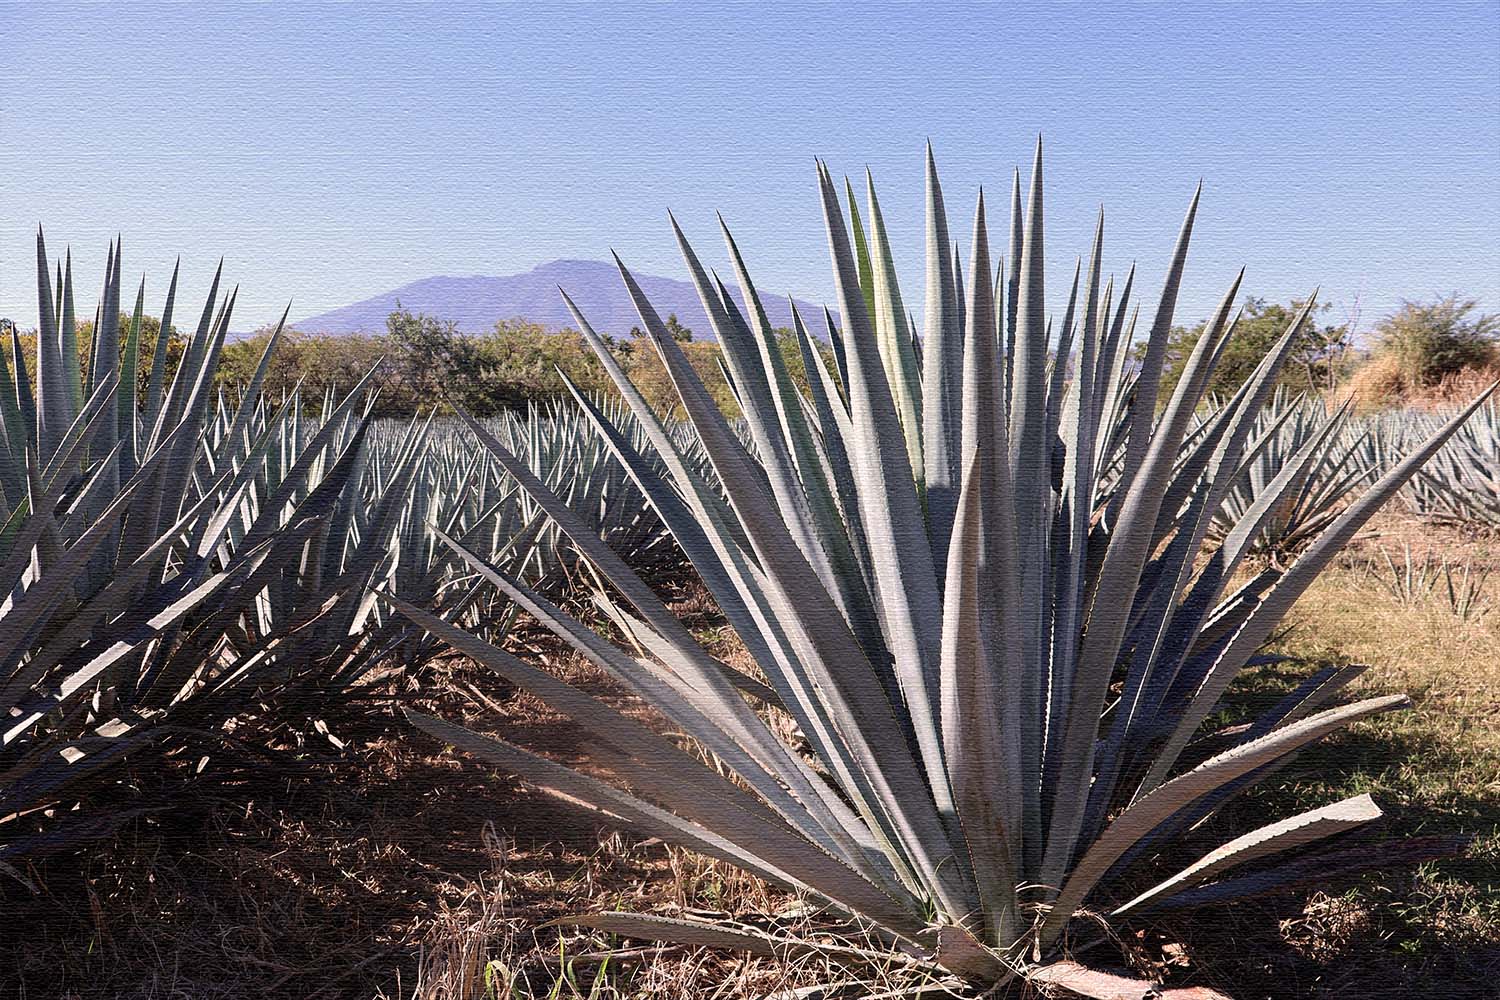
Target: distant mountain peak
<point>477,302</point>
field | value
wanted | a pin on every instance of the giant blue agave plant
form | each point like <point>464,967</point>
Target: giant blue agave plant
<point>977,582</point>
<point>171,560</point>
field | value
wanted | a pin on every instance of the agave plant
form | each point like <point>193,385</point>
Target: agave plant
<point>1415,581</point>
<point>170,561</point>
<point>998,659</point>
<point>1333,469</point>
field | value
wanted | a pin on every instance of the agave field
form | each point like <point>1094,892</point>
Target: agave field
<point>173,562</point>
<point>987,592</point>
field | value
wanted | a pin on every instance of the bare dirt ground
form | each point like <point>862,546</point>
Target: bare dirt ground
<point>396,869</point>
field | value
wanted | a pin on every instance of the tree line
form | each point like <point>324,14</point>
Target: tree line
<point>427,363</point>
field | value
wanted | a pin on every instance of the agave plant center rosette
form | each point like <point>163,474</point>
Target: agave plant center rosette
<point>972,575</point>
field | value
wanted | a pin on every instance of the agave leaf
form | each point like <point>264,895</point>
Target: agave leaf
<point>864,268</point>
<point>894,339</point>
<point>608,562</point>
<point>971,717</point>
<point>942,403</point>
<point>833,551</point>
<point>1099,985</point>
<point>787,461</point>
<point>252,391</point>
<point>702,934</point>
<point>1012,283</point>
<point>52,394</point>
<point>999,612</point>
<point>831,416</point>
<point>153,619</point>
<point>906,580</point>
<point>1146,812</point>
<point>1149,382</point>
<point>1118,580</point>
<point>159,355</point>
<point>820,630</point>
<point>125,402</point>
<point>104,360</point>
<point>1319,869</point>
<point>68,333</point>
<point>725,568</point>
<point>770,847</point>
<point>125,590</point>
<point>1294,831</point>
<point>717,715</point>
<point>29,612</point>
<point>1291,586</point>
<point>191,362</point>
<point>1030,471</point>
<point>1070,560</point>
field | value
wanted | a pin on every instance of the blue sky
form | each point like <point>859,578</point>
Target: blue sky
<point>330,153</point>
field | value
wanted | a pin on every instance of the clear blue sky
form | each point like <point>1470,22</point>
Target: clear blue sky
<point>332,153</point>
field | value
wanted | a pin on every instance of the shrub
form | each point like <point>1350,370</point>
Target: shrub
<point>1317,360</point>
<point>1430,341</point>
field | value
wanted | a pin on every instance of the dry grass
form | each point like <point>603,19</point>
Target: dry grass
<point>1435,770</point>
<point>397,870</point>
<point>1380,384</point>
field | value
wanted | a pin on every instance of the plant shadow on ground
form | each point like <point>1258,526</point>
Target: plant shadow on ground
<point>319,885</point>
<point>1432,930</point>
<point>394,869</point>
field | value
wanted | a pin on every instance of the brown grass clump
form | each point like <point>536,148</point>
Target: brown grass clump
<point>1381,383</point>
<point>1377,384</point>
<point>1459,388</point>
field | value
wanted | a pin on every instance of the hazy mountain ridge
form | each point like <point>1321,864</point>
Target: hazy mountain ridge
<point>477,302</point>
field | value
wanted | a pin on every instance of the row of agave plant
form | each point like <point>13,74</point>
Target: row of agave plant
<point>980,587</point>
<point>171,560</point>
<point>1340,461</point>
<point>1461,485</point>
<point>561,448</point>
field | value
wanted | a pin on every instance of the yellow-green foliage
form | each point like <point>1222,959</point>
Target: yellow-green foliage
<point>150,330</point>
<point>1431,341</point>
<point>1317,359</point>
<point>428,360</point>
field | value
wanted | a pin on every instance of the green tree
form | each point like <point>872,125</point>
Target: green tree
<point>679,333</point>
<point>320,365</point>
<point>146,352</point>
<point>434,362</point>
<point>524,358</point>
<point>1429,341</point>
<point>1318,355</point>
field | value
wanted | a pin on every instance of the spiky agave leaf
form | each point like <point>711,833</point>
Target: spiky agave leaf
<point>1327,473</point>
<point>942,592</point>
<point>557,442</point>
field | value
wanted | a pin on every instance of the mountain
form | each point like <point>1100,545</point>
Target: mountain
<point>475,303</point>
